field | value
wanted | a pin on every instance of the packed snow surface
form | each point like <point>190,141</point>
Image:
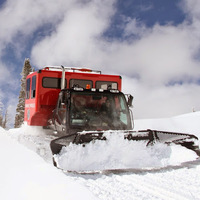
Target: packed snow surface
<point>27,171</point>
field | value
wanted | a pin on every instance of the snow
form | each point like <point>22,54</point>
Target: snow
<point>27,173</point>
<point>187,123</point>
<point>117,153</point>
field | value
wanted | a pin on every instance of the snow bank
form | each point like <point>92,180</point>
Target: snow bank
<point>25,175</point>
<point>187,123</point>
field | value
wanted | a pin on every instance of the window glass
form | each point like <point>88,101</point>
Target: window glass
<point>105,85</point>
<point>33,87</point>
<point>86,84</point>
<point>49,82</point>
<point>123,111</point>
<point>103,110</point>
<point>28,81</point>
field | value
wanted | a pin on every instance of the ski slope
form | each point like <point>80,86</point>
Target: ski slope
<point>27,173</point>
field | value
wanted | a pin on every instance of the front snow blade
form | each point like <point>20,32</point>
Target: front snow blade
<point>150,136</point>
<point>78,138</point>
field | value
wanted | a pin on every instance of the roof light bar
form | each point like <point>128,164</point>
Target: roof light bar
<point>74,69</point>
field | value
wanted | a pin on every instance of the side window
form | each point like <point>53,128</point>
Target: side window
<point>105,85</point>
<point>50,82</point>
<point>86,84</point>
<point>123,114</point>
<point>28,81</point>
<point>33,87</point>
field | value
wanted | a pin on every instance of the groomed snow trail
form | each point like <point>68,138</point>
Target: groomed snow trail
<point>181,184</point>
<point>165,184</point>
<point>168,183</point>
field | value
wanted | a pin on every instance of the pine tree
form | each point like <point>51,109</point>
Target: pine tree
<point>19,117</point>
<point>1,120</point>
<point>1,113</point>
<point>5,121</point>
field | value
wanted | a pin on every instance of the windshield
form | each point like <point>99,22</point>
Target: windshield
<point>99,111</point>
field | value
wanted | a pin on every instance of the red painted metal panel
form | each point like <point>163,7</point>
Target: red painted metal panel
<point>39,109</point>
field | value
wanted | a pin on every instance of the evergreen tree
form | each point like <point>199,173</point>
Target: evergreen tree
<point>5,121</point>
<point>19,117</point>
<point>1,113</point>
<point>1,120</point>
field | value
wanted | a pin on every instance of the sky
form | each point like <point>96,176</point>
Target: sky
<point>153,44</point>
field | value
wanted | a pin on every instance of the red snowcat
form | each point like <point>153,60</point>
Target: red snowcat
<point>80,104</point>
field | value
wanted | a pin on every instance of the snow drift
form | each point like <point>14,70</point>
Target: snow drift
<point>25,175</point>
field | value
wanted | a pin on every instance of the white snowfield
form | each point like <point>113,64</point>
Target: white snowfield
<point>26,175</point>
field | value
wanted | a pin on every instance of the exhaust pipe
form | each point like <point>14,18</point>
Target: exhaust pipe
<point>63,78</point>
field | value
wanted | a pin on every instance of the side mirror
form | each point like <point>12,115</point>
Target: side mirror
<point>130,100</point>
